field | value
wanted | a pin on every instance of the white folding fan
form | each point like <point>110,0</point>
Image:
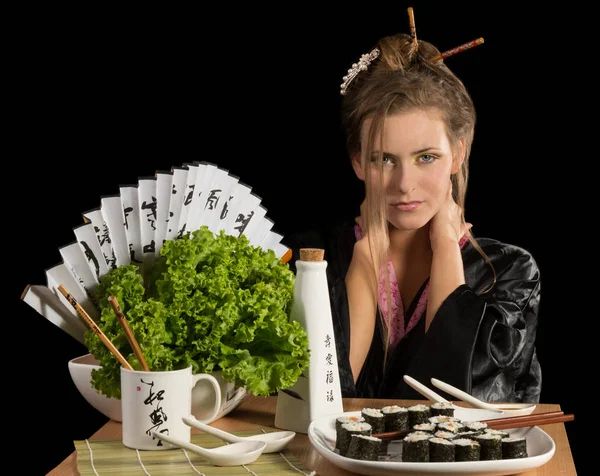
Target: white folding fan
<point>132,226</point>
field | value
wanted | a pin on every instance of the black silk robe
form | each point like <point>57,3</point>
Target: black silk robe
<point>482,343</point>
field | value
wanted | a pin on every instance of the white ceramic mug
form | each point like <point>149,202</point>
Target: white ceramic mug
<point>157,401</point>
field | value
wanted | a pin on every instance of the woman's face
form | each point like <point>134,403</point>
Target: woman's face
<point>417,164</point>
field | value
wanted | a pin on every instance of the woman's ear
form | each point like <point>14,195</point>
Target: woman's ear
<point>357,166</point>
<point>459,157</point>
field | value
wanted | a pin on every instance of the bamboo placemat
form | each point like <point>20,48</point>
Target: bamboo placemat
<point>110,457</point>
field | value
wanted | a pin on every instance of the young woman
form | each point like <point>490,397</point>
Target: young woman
<point>412,290</point>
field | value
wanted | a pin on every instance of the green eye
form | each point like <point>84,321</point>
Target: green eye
<point>385,160</point>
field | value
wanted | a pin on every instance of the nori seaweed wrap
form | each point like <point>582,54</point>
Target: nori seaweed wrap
<point>441,450</point>
<point>514,447</point>
<point>491,446</point>
<point>375,418</point>
<point>466,449</point>
<point>346,432</point>
<point>415,447</point>
<point>442,408</point>
<point>364,447</point>
<point>396,418</point>
<point>418,414</point>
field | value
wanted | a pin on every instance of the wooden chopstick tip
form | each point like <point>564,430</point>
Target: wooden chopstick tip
<point>25,291</point>
<point>137,350</point>
<point>95,328</point>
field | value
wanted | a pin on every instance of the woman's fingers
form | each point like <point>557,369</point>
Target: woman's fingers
<point>466,228</point>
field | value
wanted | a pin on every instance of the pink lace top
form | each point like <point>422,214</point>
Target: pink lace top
<point>397,327</point>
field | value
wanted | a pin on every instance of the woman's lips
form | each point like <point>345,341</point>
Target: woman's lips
<point>407,206</point>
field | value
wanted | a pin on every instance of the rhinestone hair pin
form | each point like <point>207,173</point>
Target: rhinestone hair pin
<point>363,63</point>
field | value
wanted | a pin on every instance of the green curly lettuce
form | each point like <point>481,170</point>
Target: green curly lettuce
<point>212,301</point>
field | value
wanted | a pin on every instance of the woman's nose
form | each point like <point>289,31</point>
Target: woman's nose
<point>404,179</point>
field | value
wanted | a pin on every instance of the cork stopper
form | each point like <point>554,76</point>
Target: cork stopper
<point>312,254</point>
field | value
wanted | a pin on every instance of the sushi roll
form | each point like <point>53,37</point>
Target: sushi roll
<point>451,426</point>
<point>514,447</point>
<point>415,447</point>
<point>349,429</point>
<point>420,433</point>
<point>468,434</point>
<point>441,450</point>
<point>491,446</point>
<point>442,408</point>
<point>474,426</point>
<point>500,433</point>
<point>428,427</point>
<point>375,418</point>
<point>395,418</point>
<point>466,449</point>
<point>364,447</point>
<point>442,419</point>
<point>339,421</point>
<point>447,435</point>
<point>418,414</point>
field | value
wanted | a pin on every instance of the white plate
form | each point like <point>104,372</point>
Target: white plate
<point>540,447</point>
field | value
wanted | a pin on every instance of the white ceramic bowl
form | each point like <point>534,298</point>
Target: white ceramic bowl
<point>80,369</point>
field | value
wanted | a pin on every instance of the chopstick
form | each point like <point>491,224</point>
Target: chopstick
<point>287,256</point>
<point>128,332</point>
<point>521,421</point>
<point>93,326</point>
<point>523,417</point>
<point>532,422</point>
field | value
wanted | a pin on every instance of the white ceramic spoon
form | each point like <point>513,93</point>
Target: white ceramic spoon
<point>512,409</point>
<point>276,440</point>
<point>234,454</point>
<point>423,390</point>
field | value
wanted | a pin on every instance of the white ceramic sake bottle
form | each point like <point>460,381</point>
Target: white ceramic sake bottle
<point>317,392</point>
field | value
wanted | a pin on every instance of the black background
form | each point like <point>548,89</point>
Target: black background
<point>104,97</point>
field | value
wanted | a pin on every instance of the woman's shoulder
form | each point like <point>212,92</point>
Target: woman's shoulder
<point>498,250</point>
<point>509,262</point>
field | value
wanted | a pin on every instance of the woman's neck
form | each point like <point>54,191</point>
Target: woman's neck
<point>410,242</point>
